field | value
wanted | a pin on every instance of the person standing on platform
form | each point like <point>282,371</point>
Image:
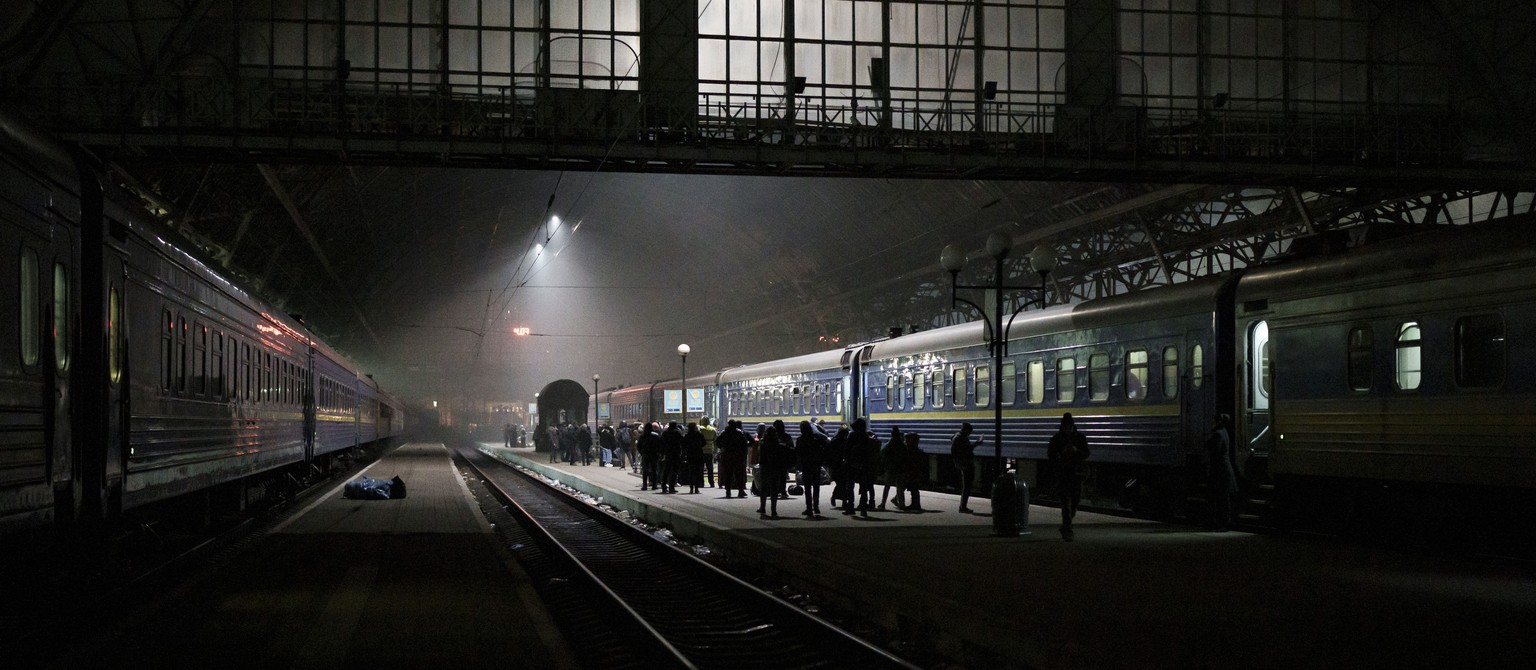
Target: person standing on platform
<point>650,458</point>
<point>868,465</point>
<point>1067,452</point>
<point>568,444</point>
<point>855,462</point>
<point>732,445</point>
<point>837,464</point>
<point>1222,473</point>
<point>671,457</point>
<point>693,457</point>
<point>606,442</point>
<point>626,435</point>
<point>962,452</point>
<point>506,436</point>
<point>775,456</point>
<point>811,450</point>
<point>710,435</point>
<point>584,443</point>
<point>755,458</point>
<point>552,438</point>
<point>914,472</point>
<point>890,466</point>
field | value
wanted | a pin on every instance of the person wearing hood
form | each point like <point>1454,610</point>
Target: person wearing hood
<point>777,454</point>
<point>733,445</point>
<point>671,457</point>
<point>693,457</point>
<point>1067,452</point>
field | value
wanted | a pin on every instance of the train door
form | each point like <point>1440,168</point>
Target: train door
<point>310,420</point>
<point>1258,384</point>
<point>1194,389</point>
<point>62,311</point>
<point>106,478</point>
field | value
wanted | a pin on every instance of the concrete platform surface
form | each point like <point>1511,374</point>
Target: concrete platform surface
<point>407,583</point>
<point>1126,594</point>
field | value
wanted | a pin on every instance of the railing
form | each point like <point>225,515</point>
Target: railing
<point>287,107</point>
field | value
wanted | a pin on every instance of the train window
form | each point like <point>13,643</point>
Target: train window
<point>1098,377</point>
<point>1136,375</point>
<point>1066,380</point>
<point>31,321</point>
<point>181,354</point>
<point>983,386</point>
<point>1010,383</point>
<point>939,392</point>
<point>245,371</point>
<point>199,358</point>
<point>1036,379</point>
<point>1479,351</point>
<point>114,337</point>
<point>908,387</point>
<point>60,317</point>
<point>798,400</point>
<point>1407,355</point>
<point>890,391</point>
<point>1360,355</point>
<point>957,387</point>
<point>1197,367</point>
<point>920,394</point>
<point>168,352</point>
<point>1170,373</point>
<point>217,369</point>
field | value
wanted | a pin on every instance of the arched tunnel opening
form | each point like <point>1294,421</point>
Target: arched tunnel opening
<point>561,401</point>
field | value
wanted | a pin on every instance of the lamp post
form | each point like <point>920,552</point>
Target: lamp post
<point>1043,260</point>
<point>594,399</point>
<point>682,351</point>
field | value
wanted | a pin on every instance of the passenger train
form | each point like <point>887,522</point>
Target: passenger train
<point>1404,368</point>
<point>132,372</point>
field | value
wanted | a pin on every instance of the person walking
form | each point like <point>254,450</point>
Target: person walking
<point>671,457</point>
<point>1067,452</point>
<point>890,468</point>
<point>776,454</point>
<point>1221,474</point>
<point>711,434</point>
<point>811,451</point>
<point>868,465</point>
<point>693,457</point>
<point>962,452</point>
<point>650,458</point>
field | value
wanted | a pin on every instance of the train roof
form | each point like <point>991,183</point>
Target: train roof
<point>1051,319</point>
<point>1467,249</point>
<point>821,360</point>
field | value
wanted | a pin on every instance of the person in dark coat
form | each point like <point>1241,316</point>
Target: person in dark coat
<point>671,457</point>
<point>584,443</point>
<point>693,457</point>
<point>811,450</point>
<point>776,455</point>
<point>733,445</point>
<point>914,472</point>
<point>1222,473</point>
<point>890,466</point>
<point>837,464</point>
<point>867,462</point>
<point>962,451</point>
<point>1067,452</point>
<point>609,444</point>
<point>858,439</point>
<point>650,458</point>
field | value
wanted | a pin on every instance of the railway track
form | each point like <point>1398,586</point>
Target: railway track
<point>628,600</point>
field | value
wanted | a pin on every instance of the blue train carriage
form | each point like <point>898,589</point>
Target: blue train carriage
<point>1404,370</point>
<point>1133,370</point>
<point>335,414</point>
<point>41,210</point>
<point>790,389</point>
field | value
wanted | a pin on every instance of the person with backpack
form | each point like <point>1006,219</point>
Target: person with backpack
<point>962,452</point>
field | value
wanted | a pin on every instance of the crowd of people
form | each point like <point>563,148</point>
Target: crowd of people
<point>853,462</point>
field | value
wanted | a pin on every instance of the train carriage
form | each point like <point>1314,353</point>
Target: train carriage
<point>792,390</point>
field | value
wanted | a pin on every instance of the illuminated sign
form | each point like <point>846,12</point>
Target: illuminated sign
<point>602,410</point>
<point>695,400</point>
<point>672,402</point>
<point>522,330</point>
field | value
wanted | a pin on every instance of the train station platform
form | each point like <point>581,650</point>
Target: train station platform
<point>1126,593</point>
<point>404,583</point>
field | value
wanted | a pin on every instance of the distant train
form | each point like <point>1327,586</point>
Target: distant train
<point>1403,368</point>
<point>131,372</point>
